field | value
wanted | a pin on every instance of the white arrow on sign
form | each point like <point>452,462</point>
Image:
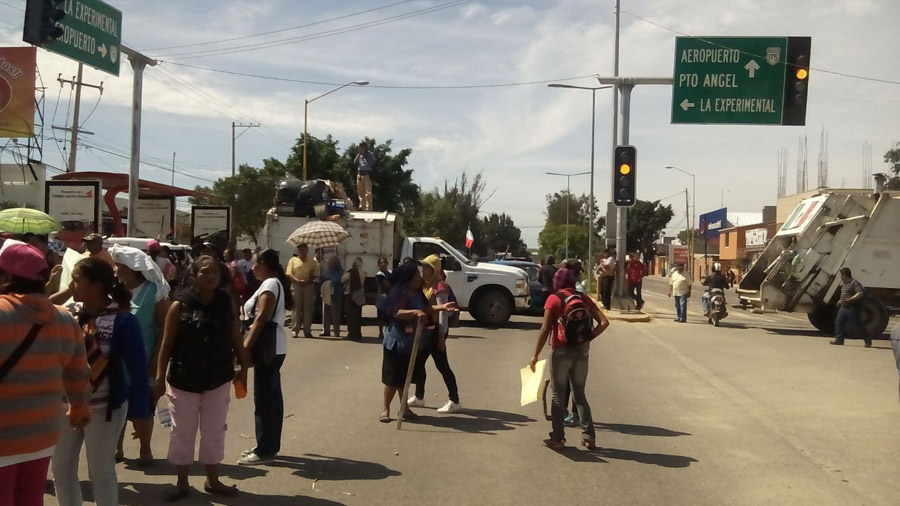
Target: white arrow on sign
<point>102,50</point>
<point>752,67</point>
<point>687,105</point>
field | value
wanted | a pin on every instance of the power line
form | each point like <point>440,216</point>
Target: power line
<point>387,87</point>
<point>833,72</point>
<point>307,25</point>
<point>314,36</point>
<point>167,169</point>
<point>13,7</point>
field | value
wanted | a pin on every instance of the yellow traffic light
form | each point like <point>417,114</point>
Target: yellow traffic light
<point>802,74</point>
<point>624,169</point>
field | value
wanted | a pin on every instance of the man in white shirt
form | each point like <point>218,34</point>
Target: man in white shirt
<point>680,287</point>
<point>246,263</point>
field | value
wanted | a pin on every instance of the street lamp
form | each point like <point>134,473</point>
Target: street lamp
<point>306,108</point>
<point>693,212</point>
<point>593,90</point>
<point>568,197</point>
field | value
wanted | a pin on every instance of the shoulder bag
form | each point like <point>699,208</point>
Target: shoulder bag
<point>20,350</point>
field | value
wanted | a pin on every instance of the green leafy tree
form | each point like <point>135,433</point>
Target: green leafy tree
<point>250,193</point>
<point>552,241</point>
<point>579,210</point>
<point>892,158</point>
<point>646,220</point>
<point>498,233</point>
<point>447,212</point>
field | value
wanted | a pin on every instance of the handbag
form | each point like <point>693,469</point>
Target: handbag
<point>262,351</point>
<point>20,350</point>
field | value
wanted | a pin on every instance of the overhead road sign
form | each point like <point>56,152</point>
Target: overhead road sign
<point>740,80</point>
<point>91,34</point>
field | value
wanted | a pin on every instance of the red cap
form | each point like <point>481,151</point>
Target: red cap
<point>153,245</point>
<point>25,261</point>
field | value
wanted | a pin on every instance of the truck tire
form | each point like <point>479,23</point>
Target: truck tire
<point>874,316</point>
<point>493,308</point>
<point>822,318</point>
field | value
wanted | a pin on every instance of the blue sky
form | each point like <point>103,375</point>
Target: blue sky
<point>514,134</point>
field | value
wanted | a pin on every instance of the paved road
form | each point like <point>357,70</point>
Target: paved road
<point>686,414</point>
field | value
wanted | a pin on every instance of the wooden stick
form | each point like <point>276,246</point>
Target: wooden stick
<point>409,373</point>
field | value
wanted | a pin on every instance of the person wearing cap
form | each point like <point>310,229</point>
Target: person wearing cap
<point>154,249</point>
<point>52,365</point>
<point>680,288</point>
<point>93,247</point>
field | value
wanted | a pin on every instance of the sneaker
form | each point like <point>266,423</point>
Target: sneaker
<point>254,460</point>
<point>248,452</point>
<point>572,421</point>
<point>836,342</point>
<point>555,445</point>
<point>450,407</point>
<point>415,402</point>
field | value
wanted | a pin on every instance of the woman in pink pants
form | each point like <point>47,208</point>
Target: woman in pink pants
<point>200,343</point>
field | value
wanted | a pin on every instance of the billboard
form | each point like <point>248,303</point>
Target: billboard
<point>76,205</point>
<point>211,223</point>
<point>756,238</point>
<point>154,218</point>
<point>712,222</point>
<point>680,255</point>
<point>17,71</point>
<point>803,215</point>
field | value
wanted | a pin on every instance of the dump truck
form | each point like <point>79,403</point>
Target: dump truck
<point>799,271</point>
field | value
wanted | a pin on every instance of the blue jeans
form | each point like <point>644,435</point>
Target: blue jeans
<point>681,307</point>
<point>848,315</point>
<point>569,364</point>
<point>269,407</point>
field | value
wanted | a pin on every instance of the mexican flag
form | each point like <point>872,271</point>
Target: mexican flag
<point>470,239</point>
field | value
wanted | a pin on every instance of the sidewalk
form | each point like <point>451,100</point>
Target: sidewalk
<point>643,316</point>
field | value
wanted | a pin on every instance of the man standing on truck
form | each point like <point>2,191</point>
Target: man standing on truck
<point>303,272</point>
<point>365,164</point>
<point>848,309</point>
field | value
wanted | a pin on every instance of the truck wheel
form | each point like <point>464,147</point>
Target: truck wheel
<point>874,316</point>
<point>822,318</point>
<point>494,308</point>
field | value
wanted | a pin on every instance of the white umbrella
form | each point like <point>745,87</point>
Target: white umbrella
<point>319,234</point>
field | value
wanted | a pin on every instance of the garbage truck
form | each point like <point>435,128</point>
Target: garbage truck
<point>490,292</point>
<point>799,271</point>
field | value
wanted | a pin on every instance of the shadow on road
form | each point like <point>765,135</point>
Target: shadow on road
<point>638,430</point>
<point>140,494</point>
<point>600,455</point>
<point>161,467</point>
<point>530,324</point>
<point>475,421</point>
<point>322,468</point>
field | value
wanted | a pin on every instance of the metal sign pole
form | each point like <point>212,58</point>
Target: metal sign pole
<point>138,62</point>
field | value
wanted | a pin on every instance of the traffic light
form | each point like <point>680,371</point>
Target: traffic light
<point>796,81</point>
<point>41,17</point>
<point>625,177</point>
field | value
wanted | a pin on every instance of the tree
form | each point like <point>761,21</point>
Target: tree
<point>447,212</point>
<point>892,158</point>
<point>646,220</point>
<point>552,241</point>
<point>498,233</point>
<point>579,210</point>
<point>250,193</point>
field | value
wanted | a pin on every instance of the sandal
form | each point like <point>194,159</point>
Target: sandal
<point>228,491</point>
<point>384,418</point>
<point>176,494</point>
<point>589,444</point>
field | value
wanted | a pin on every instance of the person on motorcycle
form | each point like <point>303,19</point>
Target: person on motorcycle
<point>713,281</point>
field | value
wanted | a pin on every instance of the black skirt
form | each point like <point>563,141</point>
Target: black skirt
<point>394,368</point>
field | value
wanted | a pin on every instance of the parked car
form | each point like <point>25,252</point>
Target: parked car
<point>531,270</point>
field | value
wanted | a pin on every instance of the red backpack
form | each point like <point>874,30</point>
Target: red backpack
<point>575,320</point>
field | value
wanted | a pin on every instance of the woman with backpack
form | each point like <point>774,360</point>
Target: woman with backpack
<point>569,323</point>
<point>200,345</point>
<point>267,305</point>
<point>115,352</point>
<point>438,293</point>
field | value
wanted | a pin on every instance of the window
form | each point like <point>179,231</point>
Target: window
<point>728,239</point>
<point>424,249</point>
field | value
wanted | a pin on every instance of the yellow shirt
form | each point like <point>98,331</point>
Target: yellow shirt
<point>303,270</point>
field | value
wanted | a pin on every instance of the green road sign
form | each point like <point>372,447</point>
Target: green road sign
<point>92,34</point>
<point>738,80</point>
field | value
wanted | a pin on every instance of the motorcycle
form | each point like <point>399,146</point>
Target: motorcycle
<point>716,309</point>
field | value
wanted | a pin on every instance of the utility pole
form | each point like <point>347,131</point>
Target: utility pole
<point>234,138</point>
<point>568,200</point>
<point>76,83</point>
<point>173,169</point>
<point>138,63</point>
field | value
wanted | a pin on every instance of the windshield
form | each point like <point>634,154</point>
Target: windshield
<point>458,254</point>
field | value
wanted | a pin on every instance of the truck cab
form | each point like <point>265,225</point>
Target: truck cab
<point>490,292</point>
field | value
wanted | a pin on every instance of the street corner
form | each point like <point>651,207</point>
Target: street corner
<point>630,316</point>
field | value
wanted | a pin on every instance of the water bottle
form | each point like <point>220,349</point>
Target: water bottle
<point>165,417</point>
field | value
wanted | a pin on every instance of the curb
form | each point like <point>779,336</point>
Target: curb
<point>624,316</point>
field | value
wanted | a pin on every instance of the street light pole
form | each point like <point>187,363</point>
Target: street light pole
<point>568,200</point>
<point>593,90</point>
<point>306,115</point>
<point>693,212</point>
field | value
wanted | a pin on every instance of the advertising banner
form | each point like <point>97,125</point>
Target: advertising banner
<point>712,222</point>
<point>155,218</point>
<point>17,71</point>
<point>680,255</point>
<point>803,215</point>
<point>76,205</point>
<point>756,238</point>
<point>211,223</point>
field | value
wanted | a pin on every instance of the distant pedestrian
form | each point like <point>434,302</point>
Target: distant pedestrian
<point>545,275</point>
<point>607,278</point>
<point>115,353</point>
<point>569,319</point>
<point>634,271</point>
<point>382,280</point>
<point>93,247</point>
<point>268,304</point>
<point>332,296</point>
<point>303,272</point>
<point>731,278</point>
<point>42,360</point>
<point>155,250</point>
<point>354,299</point>
<point>365,165</point>
<point>438,293</point>
<point>680,288</point>
<point>848,309</point>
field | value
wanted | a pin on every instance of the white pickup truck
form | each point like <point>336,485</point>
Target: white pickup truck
<point>491,293</point>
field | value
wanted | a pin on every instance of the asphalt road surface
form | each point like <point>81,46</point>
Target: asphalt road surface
<point>758,411</point>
